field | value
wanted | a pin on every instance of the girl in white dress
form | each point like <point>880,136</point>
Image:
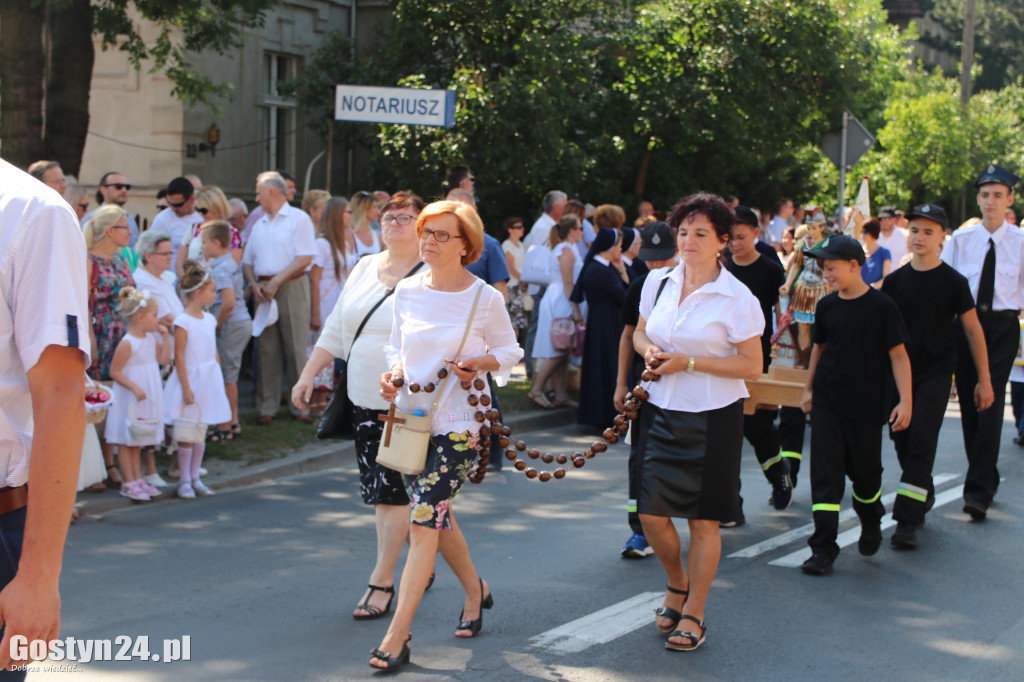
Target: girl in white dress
<point>197,378</point>
<point>565,268</point>
<point>138,391</point>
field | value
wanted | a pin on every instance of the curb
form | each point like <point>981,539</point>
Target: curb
<point>328,455</point>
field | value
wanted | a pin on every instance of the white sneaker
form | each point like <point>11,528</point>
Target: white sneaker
<point>201,488</point>
<point>185,491</point>
<point>155,480</point>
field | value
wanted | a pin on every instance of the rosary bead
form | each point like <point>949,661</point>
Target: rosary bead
<point>559,473</point>
<point>503,442</point>
<point>544,476</point>
<point>479,384</point>
<point>599,447</point>
<point>588,453</point>
<point>480,416</point>
<point>533,454</point>
<point>485,431</point>
<point>472,399</point>
<point>485,400</point>
<point>510,454</point>
<point>465,385</point>
<point>531,473</point>
<point>579,462</point>
<point>520,445</point>
<point>655,363</point>
<point>647,375</point>
<point>562,459</point>
<point>442,373</point>
<point>641,393</point>
<point>414,387</point>
<point>520,464</point>
<point>495,427</point>
<point>619,420</point>
<point>398,382</point>
<point>473,477</point>
<point>506,431</point>
<point>548,458</point>
<point>614,439</point>
<point>607,434</point>
<point>492,414</point>
<point>429,388</point>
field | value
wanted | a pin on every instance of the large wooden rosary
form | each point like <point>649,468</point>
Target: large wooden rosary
<point>490,425</point>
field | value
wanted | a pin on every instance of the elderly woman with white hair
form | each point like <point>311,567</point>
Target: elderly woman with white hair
<point>154,249</point>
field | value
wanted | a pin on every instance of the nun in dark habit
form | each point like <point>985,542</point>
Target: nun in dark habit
<point>602,284</point>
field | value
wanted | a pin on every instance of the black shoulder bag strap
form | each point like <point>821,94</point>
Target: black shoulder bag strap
<point>377,305</point>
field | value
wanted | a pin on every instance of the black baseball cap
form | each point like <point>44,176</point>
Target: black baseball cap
<point>180,186</point>
<point>658,242</point>
<point>746,215</point>
<point>838,247</point>
<point>931,212</point>
<point>994,173</point>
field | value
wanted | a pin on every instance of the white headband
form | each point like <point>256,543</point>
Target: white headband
<point>142,302</point>
<point>204,280</point>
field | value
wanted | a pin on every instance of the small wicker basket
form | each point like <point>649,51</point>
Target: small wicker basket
<point>142,428</point>
<point>97,412</point>
<point>190,430</point>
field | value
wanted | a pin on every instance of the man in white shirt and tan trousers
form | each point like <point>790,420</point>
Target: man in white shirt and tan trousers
<point>990,254</point>
<point>44,325</point>
<point>279,251</point>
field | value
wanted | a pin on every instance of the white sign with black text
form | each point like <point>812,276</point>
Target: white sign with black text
<point>403,106</point>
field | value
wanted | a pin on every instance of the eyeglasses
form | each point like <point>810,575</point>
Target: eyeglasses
<point>202,210</point>
<point>123,227</point>
<point>161,207</point>
<point>119,185</point>
<point>84,206</point>
<point>516,227</point>
<point>402,219</point>
<point>177,205</point>
<point>440,236</point>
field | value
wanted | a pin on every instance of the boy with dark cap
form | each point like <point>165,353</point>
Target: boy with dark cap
<point>763,275</point>
<point>990,254</point>
<point>931,296</point>
<point>858,342</point>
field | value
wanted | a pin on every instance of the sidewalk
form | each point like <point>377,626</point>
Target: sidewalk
<point>317,457</point>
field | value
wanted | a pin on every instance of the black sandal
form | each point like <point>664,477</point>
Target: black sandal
<point>375,611</point>
<point>671,614</point>
<point>220,435</point>
<point>236,429</point>
<point>695,641</point>
<point>393,662</point>
<point>473,626</point>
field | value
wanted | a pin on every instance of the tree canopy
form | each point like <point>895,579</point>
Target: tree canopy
<point>999,34</point>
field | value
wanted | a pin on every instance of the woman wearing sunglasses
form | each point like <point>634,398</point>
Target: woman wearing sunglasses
<point>211,204</point>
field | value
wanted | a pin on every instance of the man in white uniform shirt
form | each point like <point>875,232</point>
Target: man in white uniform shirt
<point>990,254</point>
<point>280,249</point>
<point>551,212</point>
<point>891,236</point>
<point>179,217</point>
<point>44,325</point>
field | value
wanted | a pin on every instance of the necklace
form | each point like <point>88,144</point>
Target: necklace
<point>490,426</point>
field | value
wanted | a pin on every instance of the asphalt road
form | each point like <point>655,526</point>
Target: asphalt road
<point>263,579</point>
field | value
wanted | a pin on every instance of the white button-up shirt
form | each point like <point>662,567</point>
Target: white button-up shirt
<point>708,323</point>
<point>966,250</point>
<point>540,231</point>
<point>274,244</point>
<point>44,286</point>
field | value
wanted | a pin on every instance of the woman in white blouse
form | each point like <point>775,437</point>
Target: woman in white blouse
<point>431,315</point>
<point>700,330</point>
<point>370,282</point>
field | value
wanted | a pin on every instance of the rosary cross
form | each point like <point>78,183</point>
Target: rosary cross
<point>391,420</point>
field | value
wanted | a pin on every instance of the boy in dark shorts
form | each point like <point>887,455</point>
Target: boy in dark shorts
<point>858,342</point>
<point>930,295</point>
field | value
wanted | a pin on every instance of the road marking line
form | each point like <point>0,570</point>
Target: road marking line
<point>601,626</point>
<point>847,538</point>
<point>805,531</point>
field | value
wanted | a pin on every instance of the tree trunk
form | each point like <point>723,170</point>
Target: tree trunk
<point>641,174</point>
<point>67,95</point>
<point>22,64</point>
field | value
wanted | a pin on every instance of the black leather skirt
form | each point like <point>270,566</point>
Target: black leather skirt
<point>692,463</point>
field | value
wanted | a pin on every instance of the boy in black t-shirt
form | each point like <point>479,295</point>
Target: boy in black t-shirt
<point>858,340</point>
<point>763,275</point>
<point>930,295</point>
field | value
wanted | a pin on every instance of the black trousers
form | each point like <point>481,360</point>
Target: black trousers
<point>916,445</point>
<point>638,434</point>
<point>842,447</point>
<point>759,429</point>
<point>792,424</point>
<point>12,537</point>
<point>982,430</point>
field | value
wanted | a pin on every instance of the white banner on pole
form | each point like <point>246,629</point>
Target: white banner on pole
<point>403,106</point>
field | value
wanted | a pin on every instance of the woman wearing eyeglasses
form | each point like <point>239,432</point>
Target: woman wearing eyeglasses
<point>369,283</point>
<point>364,212</point>
<point>211,204</point>
<point>429,333</point>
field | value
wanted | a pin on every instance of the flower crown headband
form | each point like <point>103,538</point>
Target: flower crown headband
<point>204,280</point>
<point>143,301</point>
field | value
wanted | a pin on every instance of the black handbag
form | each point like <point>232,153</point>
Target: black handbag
<point>336,421</point>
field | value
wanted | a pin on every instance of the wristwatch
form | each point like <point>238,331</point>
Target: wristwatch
<point>691,364</point>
